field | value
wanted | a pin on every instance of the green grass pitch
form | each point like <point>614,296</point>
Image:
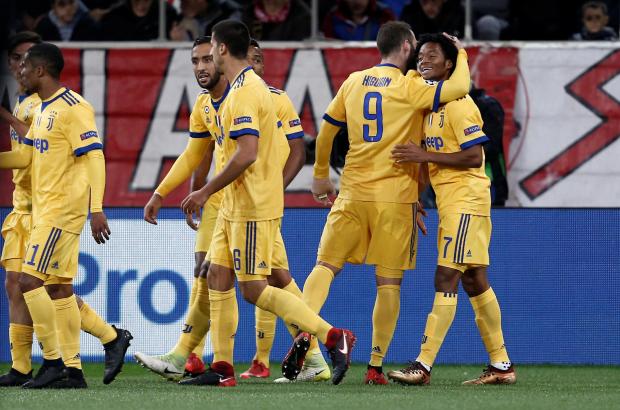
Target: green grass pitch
<point>538,387</point>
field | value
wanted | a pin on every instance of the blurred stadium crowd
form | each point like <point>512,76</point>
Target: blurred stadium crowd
<point>290,20</point>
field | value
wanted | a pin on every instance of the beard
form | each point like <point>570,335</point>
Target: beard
<point>213,80</point>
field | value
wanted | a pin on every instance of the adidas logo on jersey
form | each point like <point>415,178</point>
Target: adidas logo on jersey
<point>376,349</point>
<point>262,265</point>
<point>55,265</point>
<point>469,253</point>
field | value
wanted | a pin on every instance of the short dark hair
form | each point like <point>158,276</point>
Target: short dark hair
<point>391,36</point>
<point>201,40</point>
<point>594,5</point>
<point>235,35</point>
<point>449,50</point>
<point>254,43</point>
<point>49,56</point>
<point>23,37</point>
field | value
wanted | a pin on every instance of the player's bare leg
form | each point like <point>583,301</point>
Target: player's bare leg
<point>488,319</point>
<point>437,325</point>
<point>20,332</point>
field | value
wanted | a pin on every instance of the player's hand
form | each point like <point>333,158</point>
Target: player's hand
<point>409,152</point>
<point>152,209</point>
<point>99,227</point>
<point>5,115</point>
<point>454,40</point>
<point>322,189</point>
<point>194,201</point>
<point>421,214</point>
<point>189,219</point>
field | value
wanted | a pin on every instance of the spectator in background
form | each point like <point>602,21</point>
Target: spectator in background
<point>435,16</point>
<point>491,18</point>
<point>492,114</point>
<point>68,20</point>
<point>356,20</point>
<point>136,20</point>
<point>99,8</point>
<point>594,17</point>
<point>277,20</point>
<point>199,16</point>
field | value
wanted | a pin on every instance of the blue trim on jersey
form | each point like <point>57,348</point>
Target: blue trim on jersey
<point>216,104</point>
<point>81,151</point>
<point>479,140</point>
<point>295,135</point>
<point>234,82</point>
<point>279,124</point>
<point>205,134</point>
<point>333,121</point>
<point>62,95</point>
<point>436,100</point>
<point>386,65</point>
<point>28,141</point>
<point>22,97</point>
<point>244,131</point>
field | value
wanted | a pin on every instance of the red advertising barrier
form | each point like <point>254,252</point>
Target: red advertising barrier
<point>143,98</point>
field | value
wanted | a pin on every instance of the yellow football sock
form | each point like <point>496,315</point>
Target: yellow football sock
<point>196,323</point>
<point>294,289</point>
<point>92,323</point>
<point>384,317</point>
<point>293,311</point>
<point>489,322</point>
<point>68,327</point>
<point>437,325</point>
<point>265,332</point>
<point>43,315</point>
<point>192,294</point>
<point>20,337</point>
<point>224,320</point>
<point>200,287</point>
<point>317,286</point>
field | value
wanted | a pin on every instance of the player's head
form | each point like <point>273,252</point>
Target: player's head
<point>230,40</point>
<point>256,58</point>
<point>43,62</point>
<point>18,45</point>
<point>435,56</point>
<point>202,61</point>
<point>396,41</point>
<point>594,16</point>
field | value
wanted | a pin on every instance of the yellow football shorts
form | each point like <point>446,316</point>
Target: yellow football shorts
<point>15,232</point>
<point>375,233</point>
<point>250,248</point>
<point>52,255</point>
<point>207,224</point>
<point>463,241</point>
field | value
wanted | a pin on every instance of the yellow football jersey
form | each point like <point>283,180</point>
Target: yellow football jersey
<point>380,108</point>
<point>257,194</point>
<point>454,127</point>
<point>288,119</point>
<point>203,122</point>
<point>22,195</point>
<point>64,129</point>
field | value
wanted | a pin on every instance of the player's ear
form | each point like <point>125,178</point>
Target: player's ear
<point>449,64</point>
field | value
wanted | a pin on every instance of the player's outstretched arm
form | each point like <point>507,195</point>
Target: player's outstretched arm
<point>244,156</point>
<point>181,170</point>
<point>199,179</point>
<point>468,158</point>
<point>20,127</point>
<point>321,185</point>
<point>16,159</point>
<point>95,170</point>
